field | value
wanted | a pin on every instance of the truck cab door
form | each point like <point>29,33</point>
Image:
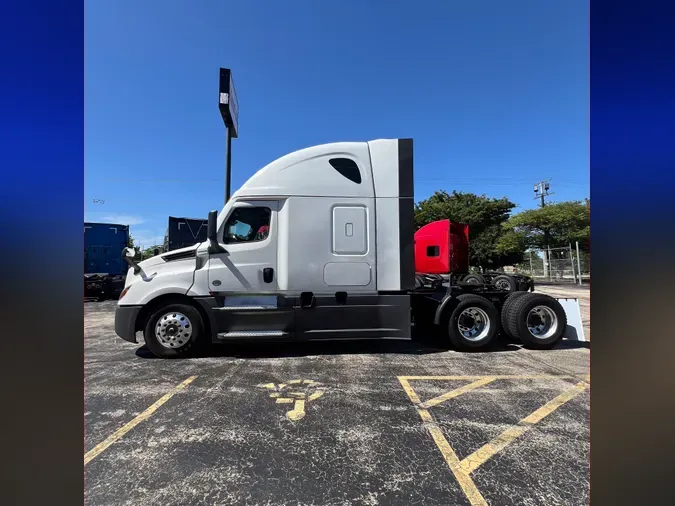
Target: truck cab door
<point>243,279</point>
<point>248,266</point>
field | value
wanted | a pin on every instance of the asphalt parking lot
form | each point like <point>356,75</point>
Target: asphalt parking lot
<point>371,422</point>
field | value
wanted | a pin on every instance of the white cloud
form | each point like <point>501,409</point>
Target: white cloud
<point>121,219</point>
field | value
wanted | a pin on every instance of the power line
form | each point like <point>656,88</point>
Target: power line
<point>492,178</point>
<point>451,179</point>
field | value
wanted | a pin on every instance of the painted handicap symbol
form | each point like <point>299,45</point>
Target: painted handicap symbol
<point>297,392</point>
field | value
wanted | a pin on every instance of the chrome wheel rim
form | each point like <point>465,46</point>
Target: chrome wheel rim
<point>473,323</point>
<point>173,330</point>
<point>542,322</point>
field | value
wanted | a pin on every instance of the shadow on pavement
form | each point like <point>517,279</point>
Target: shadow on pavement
<point>572,345</point>
<point>417,346</point>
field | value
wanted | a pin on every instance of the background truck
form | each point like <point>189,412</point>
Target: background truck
<point>435,260</point>
<point>320,244</point>
<point>104,268</point>
<point>184,232</point>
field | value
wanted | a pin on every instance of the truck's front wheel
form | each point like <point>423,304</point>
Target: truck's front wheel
<point>173,331</point>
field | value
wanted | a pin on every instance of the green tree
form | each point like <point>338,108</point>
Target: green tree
<point>486,218</point>
<point>150,252</point>
<point>137,250</point>
<point>554,225</point>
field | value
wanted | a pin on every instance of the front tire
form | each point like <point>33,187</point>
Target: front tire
<point>473,323</point>
<point>174,331</point>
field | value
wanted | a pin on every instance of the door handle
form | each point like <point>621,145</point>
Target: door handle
<point>268,274</point>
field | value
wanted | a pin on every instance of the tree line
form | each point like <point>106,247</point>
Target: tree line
<point>497,236</point>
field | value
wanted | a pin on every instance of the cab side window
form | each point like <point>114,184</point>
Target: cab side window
<point>247,224</point>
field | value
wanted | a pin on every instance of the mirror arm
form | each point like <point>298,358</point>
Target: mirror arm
<point>130,261</point>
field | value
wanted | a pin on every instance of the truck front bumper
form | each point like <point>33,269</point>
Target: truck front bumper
<point>125,322</point>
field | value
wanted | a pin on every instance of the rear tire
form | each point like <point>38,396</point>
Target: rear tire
<point>473,323</point>
<point>174,331</point>
<point>505,283</point>
<point>506,311</point>
<point>537,320</point>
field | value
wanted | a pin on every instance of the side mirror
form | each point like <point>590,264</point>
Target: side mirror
<point>128,257</point>
<point>212,233</point>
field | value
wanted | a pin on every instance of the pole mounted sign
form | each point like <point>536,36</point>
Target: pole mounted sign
<point>229,110</point>
<point>227,102</point>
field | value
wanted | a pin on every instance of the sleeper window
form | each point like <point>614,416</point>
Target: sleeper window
<point>247,224</point>
<point>347,168</point>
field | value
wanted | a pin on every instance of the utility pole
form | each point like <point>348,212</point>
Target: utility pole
<point>541,192</point>
<point>229,110</point>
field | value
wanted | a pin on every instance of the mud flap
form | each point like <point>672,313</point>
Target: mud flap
<point>575,328</point>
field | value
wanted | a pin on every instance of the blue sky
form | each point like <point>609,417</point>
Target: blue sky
<point>494,94</point>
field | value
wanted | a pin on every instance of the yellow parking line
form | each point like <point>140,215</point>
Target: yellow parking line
<point>462,469</point>
<point>465,482</point>
<point>408,389</point>
<point>554,404</point>
<point>480,456</point>
<point>101,447</point>
<point>457,392</point>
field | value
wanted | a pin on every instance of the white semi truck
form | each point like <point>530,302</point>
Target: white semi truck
<point>319,244</point>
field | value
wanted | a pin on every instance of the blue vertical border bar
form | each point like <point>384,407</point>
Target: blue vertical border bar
<point>632,107</point>
<point>632,166</point>
<point>41,247</point>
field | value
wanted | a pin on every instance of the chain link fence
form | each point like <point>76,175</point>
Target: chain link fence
<point>556,265</point>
